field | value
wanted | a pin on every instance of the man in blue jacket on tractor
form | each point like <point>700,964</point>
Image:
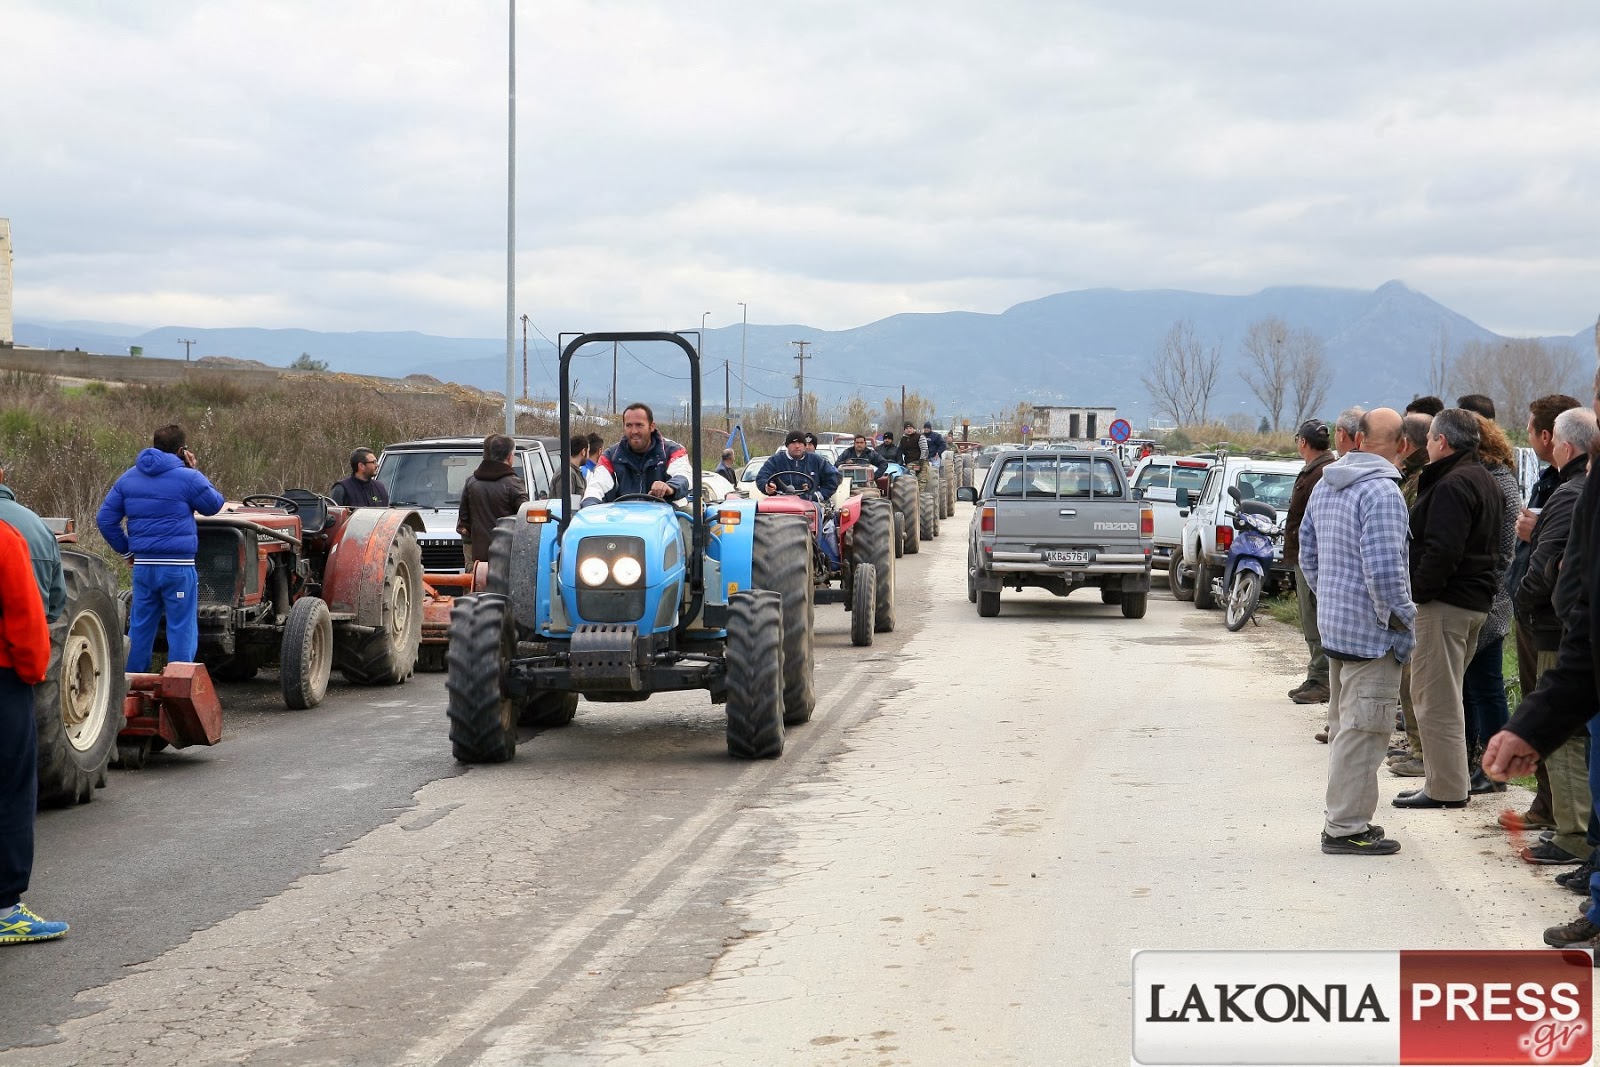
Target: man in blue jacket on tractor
<point>158,497</point>
<point>793,471</point>
<point>642,463</point>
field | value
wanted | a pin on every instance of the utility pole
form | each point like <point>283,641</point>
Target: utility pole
<point>613,377</point>
<point>511,209</point>
<point>744,328</point>
<point>727,415</point>
<point>800,382</point>
<point>902,405</point>
<point>524,359</point>
<point>187,345</point>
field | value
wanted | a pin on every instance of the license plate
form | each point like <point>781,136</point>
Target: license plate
<point>1065,556</point>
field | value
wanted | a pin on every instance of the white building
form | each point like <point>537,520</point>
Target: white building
<point>6,336</point>
<point>1072,423</point>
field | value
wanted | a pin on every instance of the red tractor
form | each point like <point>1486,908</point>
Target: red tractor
<point>301,582</point>
<point>854,564</point>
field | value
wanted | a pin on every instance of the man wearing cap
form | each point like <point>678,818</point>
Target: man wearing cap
<point>1311,440</point>
<point>936,445</point>
<point>794,471</point>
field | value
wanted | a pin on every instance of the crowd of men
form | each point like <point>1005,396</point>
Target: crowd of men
<point>1416,556</point>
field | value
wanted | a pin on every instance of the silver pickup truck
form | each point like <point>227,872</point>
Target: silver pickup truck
<point>1059,519</point>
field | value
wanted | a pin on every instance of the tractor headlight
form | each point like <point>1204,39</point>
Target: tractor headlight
<point>593,571</point>
<point>627,570</point>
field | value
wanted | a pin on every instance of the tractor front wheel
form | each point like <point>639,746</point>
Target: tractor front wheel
<point>863,603</point>
<point>483,719</point>
<point>307,654</point>
<point>899,521</point>
<point>927,515</point>
<point>754,659</point>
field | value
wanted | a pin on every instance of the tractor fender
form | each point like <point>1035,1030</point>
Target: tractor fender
<point>791,505</point>
<point>850,512</point>
<point>352,579</point>
<point>734,547</point>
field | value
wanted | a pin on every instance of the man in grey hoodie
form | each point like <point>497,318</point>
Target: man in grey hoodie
<point>1353,553</point>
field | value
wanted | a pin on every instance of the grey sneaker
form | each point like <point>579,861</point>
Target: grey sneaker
<point>1408,768</point>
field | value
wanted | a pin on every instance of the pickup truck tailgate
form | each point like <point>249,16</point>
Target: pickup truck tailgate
<point>1071,512</point>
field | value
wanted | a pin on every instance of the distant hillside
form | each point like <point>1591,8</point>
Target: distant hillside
<point>1088,346</point>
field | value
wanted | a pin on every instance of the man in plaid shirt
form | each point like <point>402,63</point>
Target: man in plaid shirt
<point>1353,553</point>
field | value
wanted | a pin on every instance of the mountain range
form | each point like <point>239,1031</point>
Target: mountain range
<point>1086,347</point>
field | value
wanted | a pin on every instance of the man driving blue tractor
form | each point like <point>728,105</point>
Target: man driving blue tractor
<point>792,471</point>
<point>643,463</point>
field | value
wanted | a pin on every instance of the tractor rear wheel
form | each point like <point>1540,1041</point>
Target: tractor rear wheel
<point>78,706</point>
<point>483,719</point>
<point>871,541</point>
<point>754,659</point>
<point>388,655</point>
<point>863,603</point>
<point>907,502</point>
<point>307,654</point>
<point>781,562</point>
<point>548,710</point>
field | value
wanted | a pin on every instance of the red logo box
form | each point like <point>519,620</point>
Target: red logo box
<point>1496,1007</point>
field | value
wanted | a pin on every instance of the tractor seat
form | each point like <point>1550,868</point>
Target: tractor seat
<point>313,509</point>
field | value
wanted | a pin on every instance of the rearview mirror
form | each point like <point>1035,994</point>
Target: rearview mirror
<point>969,493</point>
<point>1181,498</point>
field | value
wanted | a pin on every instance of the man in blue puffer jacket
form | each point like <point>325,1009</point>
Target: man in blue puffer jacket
<point>158,497</point>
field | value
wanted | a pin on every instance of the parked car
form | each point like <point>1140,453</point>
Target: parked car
<point>428,475</point>
<point>1061,520</point>
<point>1202,551</point>
<point>1161,477</point>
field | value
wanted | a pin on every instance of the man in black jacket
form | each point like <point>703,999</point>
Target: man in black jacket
<point>1312,441</point>
<point>1567,768</point>
<point>362,489</point>
<point>1455,544</point>
<point>491,492</point>
<point>888,449</point>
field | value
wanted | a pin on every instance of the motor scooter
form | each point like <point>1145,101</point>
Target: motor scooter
<point>1250,558</point>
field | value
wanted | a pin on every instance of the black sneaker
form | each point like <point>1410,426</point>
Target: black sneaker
<point>1579,929</point>
<point>1577,879</point>
<point>1368,842</point>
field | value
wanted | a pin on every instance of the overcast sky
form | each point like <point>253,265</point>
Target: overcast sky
<point>341,165</point>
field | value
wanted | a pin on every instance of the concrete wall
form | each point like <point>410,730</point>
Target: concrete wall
<point>139,370</point>
<point>6,326</point>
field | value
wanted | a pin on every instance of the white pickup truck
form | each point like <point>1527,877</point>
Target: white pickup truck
<point>1161,477</point>
<point>1058,519</point>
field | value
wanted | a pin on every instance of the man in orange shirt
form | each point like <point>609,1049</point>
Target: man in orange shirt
<point>24,661</point>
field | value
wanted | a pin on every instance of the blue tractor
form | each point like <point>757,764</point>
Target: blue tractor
<point>633,597</point>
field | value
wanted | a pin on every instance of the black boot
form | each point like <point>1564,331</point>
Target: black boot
<point>1482,783</point>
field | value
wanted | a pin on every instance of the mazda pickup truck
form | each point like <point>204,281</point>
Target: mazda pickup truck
<point>1062,520</point>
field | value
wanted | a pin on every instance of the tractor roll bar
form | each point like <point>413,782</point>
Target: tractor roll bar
<point>697,511</point>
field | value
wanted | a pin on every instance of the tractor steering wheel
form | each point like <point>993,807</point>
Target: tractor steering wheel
<point>268,500</point>
<point>644,497</point>
<point>788,488</point>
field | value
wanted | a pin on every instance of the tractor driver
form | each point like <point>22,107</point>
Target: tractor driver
<point>861,454</point>
<point>642,463</point>
<point>795,471</point>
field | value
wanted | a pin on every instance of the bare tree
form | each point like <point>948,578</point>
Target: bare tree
<point>1310,376</point>
<point>1268,369</point>
<point>1516,372</point>
<point>1183,377</point>
<point>1439,363</point>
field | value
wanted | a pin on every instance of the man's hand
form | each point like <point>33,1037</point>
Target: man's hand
<point>1525,521</point>
<point>1508,756</point>
<point>661,490</point>
<point>772,488</point>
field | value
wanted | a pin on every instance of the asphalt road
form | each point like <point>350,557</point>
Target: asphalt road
<point>951,863</point>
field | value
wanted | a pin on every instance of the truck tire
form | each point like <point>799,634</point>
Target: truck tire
<point>899,522</point>
<point>781,562</point>
<point>863,603</point>
<point>927,515</point>
<point>1134,605</point>
<point>1110,596</point>
<point>754,660</point>
<point>988,603</point>
<point>483,720</point>
<point>388,655</point>
<point>873,533</point>
<point>907,502</point>
<point>78,707</point>
<point>1179,580</point>
<point>1204,597</point>
<point>306,657</point>
<point>972,576</point>
<point>548,710</point>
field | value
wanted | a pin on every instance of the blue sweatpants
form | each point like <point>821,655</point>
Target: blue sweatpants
<point>163,589</point>
<point>19,786</point>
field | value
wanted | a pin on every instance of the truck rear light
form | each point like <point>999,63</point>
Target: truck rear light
<point>987,522</point>
<point>1224,538</point>
<point>1147,522</point>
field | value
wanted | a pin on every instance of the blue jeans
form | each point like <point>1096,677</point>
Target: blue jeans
<point>1483,693</point>
<point>175,592</point>
<point>1594,794</point>
<point>19,786</point>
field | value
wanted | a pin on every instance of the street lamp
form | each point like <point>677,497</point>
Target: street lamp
<point>744,328</point>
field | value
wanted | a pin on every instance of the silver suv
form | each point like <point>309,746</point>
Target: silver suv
<point>428,475</point>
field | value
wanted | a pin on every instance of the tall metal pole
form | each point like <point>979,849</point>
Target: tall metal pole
<point>801,382</point>
<point>744,328</point>
<point>613,377</point>
<point>727,414</point>
<point>511,214</point>
<point>524,358</point>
